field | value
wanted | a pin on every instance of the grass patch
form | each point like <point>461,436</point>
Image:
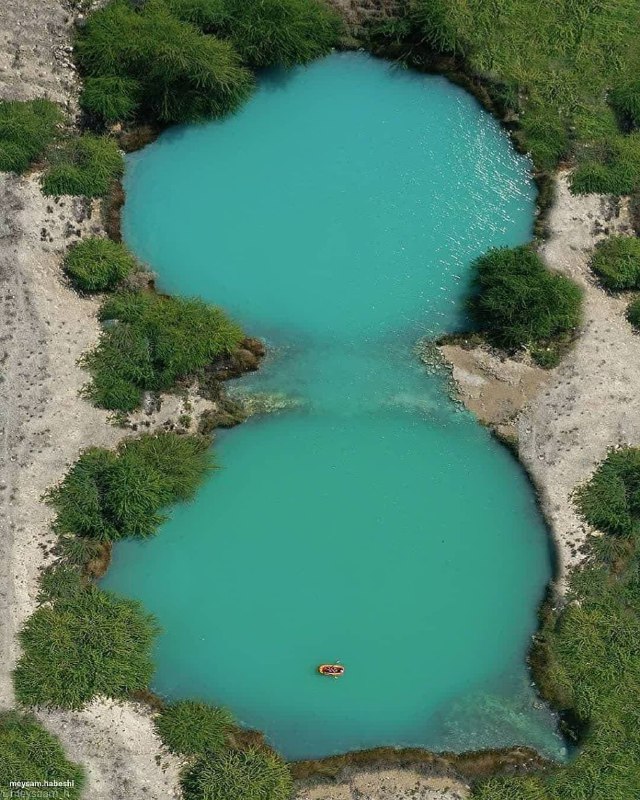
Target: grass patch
<point>83,644</point>
<point>517,302</point>
<point>30,753</point>
<point>152,65</point>
<point>108,495</point>
<point>616,262</point>
<point>152,342</point>
<point>563,69</point>
<point>85,165</point>
<point>26,130</point>
<point>252,774</point>
<point>282,33</point>
<point>98,265</point>
<point>192,728</point>
<point>590,649</point>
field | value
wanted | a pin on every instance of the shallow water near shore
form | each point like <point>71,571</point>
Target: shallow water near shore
<point>337,215</point>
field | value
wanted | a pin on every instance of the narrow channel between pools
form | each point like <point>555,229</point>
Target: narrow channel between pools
<point>337,216</point>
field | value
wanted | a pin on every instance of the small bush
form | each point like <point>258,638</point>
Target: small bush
<point>610,501</point>
<point>545,136</point>
<point>86,644</point>
<point>208,15</point>
<point>109,495</point>
<point>154,341</point>
<point>609,167</point>
<point>98,265</point>
<point>518,302</point>
<point>26,130</point>
<point>110,98</point>
<point>625,100</point>
<point>174,72</point>
<point>280,32</point>
<point>238,775</point>
<point>30,753</point>
<point>633,313</point>
<point>616,261</point>
<point>191,727</point>
<point>85,165</point>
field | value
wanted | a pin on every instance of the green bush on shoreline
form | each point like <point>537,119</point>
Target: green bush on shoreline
<point>98,265</point>
<point>191,727</point>
<point>109,495</point>
<point>84,165</point>
<point>26,130</point>
<point>152,342</point>
<point>30,753</point>
<point>517,302</point>
<point>252,774</point>
<point>84,644</point>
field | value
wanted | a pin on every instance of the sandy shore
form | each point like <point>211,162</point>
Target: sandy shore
<point>566,419</point>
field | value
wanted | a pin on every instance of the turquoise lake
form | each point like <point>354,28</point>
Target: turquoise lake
<point>336,216</point>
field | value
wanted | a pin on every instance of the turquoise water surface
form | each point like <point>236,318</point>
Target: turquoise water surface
<point>336,216</point>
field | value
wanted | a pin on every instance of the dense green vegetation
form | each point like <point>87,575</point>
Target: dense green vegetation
<point>83,165</point>
<point>252,774</point>
<point>108,495</point>
<point>279,32</point>
<point>26,130</point>
<point>146,62</point>
<point>182,60</point>
<point>589,651</point>
<point>517,302</point>
<point>83,643</point>
<point>616,261</point>
<point>566,69</point>
<point>191,727</point>
<point>30,753</point>
<point>98,265</point>
<point>151,342</point>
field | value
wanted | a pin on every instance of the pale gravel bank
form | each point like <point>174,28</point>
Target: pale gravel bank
<point>566,419</point>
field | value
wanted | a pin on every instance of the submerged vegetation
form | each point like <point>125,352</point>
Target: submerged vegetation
<point>616,262</point>
<point>30,753</point>
<point>109,495</point>
<point>567,71</point>
<point>517,302</point>
<point>588,652</point>
<point>83,643</point>
<point>98,265</point>
<point>26,130</point>
<point>151,342</point>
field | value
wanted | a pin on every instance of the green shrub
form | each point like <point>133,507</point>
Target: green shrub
<point>625,100</point>
<point>83,645</point>
<point>616,261</point>
<point>238,775</point>
<point>86,165</point>
<point>98,265</point>
<point>633,313</point>
<point>192,728</point>
<point>30,753</point>
<point>110,98</point>
<point>154,341</point>
<point>26,130</point>
<point>109,495</point>
<point>280,32</point>
<point>609,167</point>
<point>518,302</point>
<point>610,501</point>
<point>208,15</point>
<point>555,61</point>
<point>180,74</point>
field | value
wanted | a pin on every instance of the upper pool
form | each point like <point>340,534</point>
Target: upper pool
<point>337,216</point>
